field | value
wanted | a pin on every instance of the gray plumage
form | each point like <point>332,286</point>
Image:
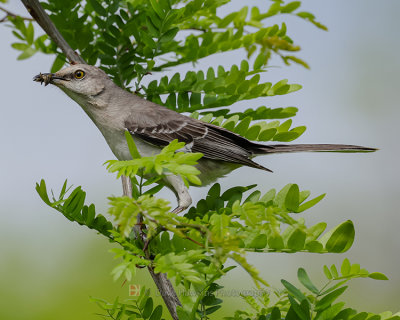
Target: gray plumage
<point>152,126</point>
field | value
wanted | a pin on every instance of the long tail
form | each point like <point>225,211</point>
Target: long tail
<point>284,148</point>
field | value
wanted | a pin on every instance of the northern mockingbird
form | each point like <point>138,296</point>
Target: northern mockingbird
<point>114,110</point>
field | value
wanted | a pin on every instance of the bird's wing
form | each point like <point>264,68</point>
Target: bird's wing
<point>213,142</point>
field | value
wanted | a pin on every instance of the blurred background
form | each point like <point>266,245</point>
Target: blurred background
<point>49,267</point>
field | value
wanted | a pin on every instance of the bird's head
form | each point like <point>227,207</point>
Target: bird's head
<point>76,80</point>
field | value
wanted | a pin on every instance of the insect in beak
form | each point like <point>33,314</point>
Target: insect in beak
<point>46,78</point>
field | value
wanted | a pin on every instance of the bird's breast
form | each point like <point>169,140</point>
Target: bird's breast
<point>117,142</point>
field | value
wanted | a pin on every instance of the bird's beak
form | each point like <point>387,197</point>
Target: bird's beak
<point>47,78</point>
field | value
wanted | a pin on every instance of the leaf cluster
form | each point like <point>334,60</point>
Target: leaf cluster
<point>215,88</point>
<point>132,38</point>
<point>74,209</point>
<point>170,160</point>
<point>24,31</point>
<point>141,308</point>
<point>259,131</point>
<point>270,222</point>
<point>223,226</point>
<point>317,303</point>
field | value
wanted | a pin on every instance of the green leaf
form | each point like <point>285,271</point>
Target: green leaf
<point>148,308</point>
<point>275,241</point>
<point>345,268</point>
<point>90,215</point>
<point>331,312</point>
<point>157,8</point>
<point>75,201</point>
<point>326,301</point>
<point>253,197</point>
<point>107,49</point>
<point>157,313</point>
<point>296,240</point>
<point>360,316</point>
<point>19,36</point>
<point>267,134</point>
<point>42,191</point>
<point>314,246</point>
<point>109,38</point>
<point>26,54</point>
<point>291,314</point>
<point>296,293</point>
<point>311,203</point>
<point>328,274</point>
<point>242,127</point>
<point>30,34</point>
<point>169,35</point>
<point>98,8</point>
<point>57,64</point>
<point>342,238</point>
<point>302,309</point>
<point>285,136</point>
<point>212,309</point>
<point>316,230</point>
<point>260,60</point>
<point>259,242</point>
<point>292,198</point>
<point>377,276</point>
<point>280,198</point>
<point>154,190</point>
<point>228,194</point>
<point>275,314</point>
<point>20,46</point>
<point>334,271</point>
<point>183,314</point>
<point>290,7</point>
<point>132,146</point>
<point>306,281</point>
<point>213,194</point>
<point>334,287</point>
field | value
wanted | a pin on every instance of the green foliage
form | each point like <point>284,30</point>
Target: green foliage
<point>131,39</point>
<point>270,222</point>
<point>25,33</point>
<point>168,161</point>
<point>220,227</point>
<point>316,303</point>
<point>260,131</point>
<point>74,209</point>
<point>198,91</point>
<point>141,308</point>
<point>186,266</point>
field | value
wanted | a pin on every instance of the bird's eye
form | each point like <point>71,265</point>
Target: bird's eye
<point>79,74</point>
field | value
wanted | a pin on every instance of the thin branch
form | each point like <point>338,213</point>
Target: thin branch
<point>41,17</point>
<point>167,291</point>
<point>163,284</point>
<point>13,15</point>
<point>194,241</point>
<point>37,12</point>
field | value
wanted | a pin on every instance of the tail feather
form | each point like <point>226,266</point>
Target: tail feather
<point>284,148</point>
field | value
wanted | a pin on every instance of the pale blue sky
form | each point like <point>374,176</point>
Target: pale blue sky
<point>350,95</point>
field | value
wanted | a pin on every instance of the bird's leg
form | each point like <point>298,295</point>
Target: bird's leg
<point>177,185</point>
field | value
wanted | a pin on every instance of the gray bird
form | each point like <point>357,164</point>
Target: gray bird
<point>114,110</point>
